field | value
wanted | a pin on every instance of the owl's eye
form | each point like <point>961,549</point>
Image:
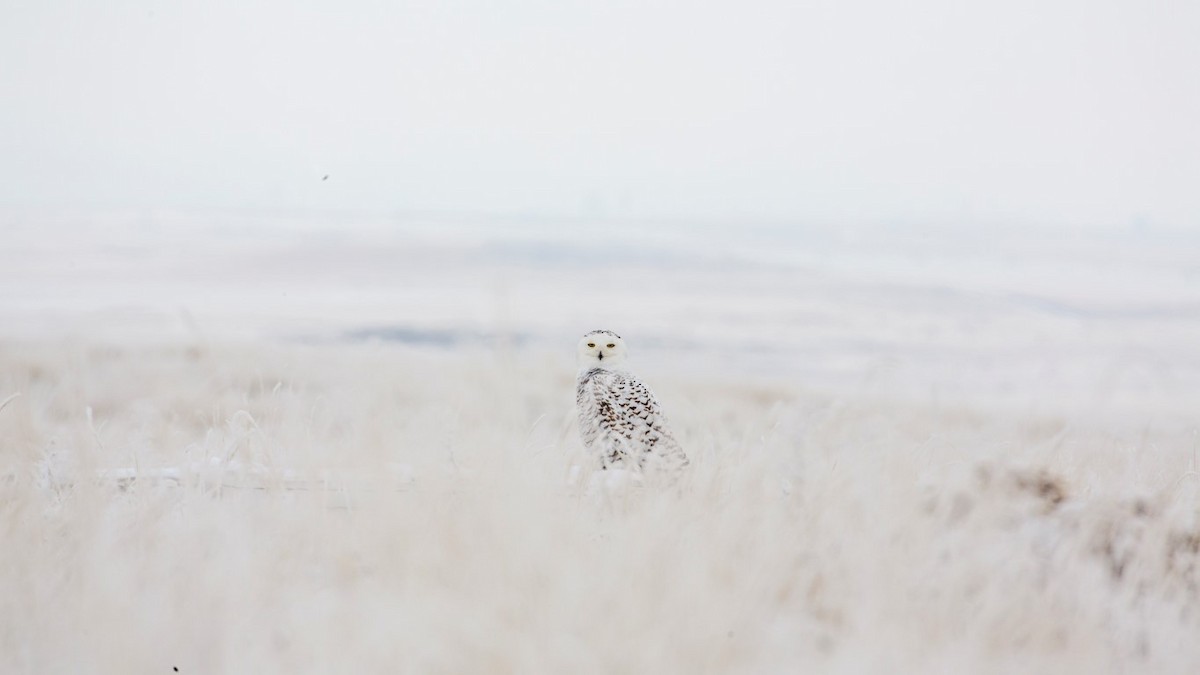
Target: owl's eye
<point>591,344</point>
<point>611,345</point>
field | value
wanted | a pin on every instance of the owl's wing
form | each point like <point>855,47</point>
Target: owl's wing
<point>647,431</point>
<point>610,428</point>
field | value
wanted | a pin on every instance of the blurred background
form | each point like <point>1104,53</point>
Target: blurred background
<point>989,200</point>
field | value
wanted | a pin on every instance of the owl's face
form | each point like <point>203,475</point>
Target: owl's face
<point>601,349</point>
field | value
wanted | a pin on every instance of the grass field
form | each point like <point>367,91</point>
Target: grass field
<point>966,487</point>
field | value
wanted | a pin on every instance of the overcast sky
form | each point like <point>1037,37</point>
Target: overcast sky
<point>1033,112</point>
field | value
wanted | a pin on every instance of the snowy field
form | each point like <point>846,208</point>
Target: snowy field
<point>246,444</point>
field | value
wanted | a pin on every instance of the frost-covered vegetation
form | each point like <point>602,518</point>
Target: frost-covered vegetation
<point>426,525</point>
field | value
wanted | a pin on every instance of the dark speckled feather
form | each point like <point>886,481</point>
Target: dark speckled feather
<point>622,422</point>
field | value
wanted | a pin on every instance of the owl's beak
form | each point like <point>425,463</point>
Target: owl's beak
<point>600,355</point>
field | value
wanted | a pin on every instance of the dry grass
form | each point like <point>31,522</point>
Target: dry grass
<point>850,534</point>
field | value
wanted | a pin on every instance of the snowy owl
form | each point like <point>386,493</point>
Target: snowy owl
<point>619,418</point>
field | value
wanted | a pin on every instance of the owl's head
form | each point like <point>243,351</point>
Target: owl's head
<point>601,349</point>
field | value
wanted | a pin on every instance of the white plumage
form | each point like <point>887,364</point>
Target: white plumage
<point>620,421</point>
